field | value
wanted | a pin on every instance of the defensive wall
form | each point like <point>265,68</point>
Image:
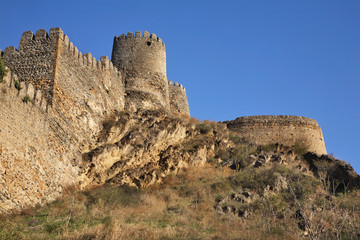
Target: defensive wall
<point>286,130</point>
<point>178,100</point>
<point>137,70</point>
<point>43,138</point>
<point>63,97</point>
<point>80,89</point>
<point>57,110</point>
<point>34,61</point>
<point>34,163</point>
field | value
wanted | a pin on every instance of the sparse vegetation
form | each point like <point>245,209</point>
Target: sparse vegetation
<point>17,85</point>
<point>275,200</point>
<point>26,99</point>
<point>203,127</point>
<point>300,148</point>
<point>183,208</point>
<point>3,71</point>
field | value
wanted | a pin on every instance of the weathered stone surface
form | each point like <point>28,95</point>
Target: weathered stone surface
<point>34,62</point>
<point>128,154</point>
<point>143,63</point>
<point>43,59</point>
<point>178,99</point>
<point>286,130</point>
<point>74,130</point>
<point>34,164</point>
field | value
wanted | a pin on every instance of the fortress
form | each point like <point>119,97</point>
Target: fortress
<point>137,69</point>
<point>55,103</point>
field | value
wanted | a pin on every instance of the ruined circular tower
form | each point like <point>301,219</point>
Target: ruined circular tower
<point>142,60</point>
<point>283,129</point>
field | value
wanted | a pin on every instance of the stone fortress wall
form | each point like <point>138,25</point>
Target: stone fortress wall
<point>42,141</point>
<point>142,60</point>
<point>86,91</point>
<point>137,68</point>
<point>34,61</point>
<point>178,100</point>
<point>34,163</point>
<point>287,130</point>
<point>71,95</point>
<point>80,89</point>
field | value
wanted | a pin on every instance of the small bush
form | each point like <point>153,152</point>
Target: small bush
<point>17,85</point>
<point>300,148</point>
<point>241,154</point>
<point>235,138</point>
<point>194,144</point>
<point>223,154</point>
<point>26,99</point>
<point>2,70</point>
<point>203,127</point>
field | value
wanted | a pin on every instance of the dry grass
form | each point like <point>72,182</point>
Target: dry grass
<point>181,208</point>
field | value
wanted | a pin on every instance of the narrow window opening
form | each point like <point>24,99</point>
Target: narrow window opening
<point>148,43</point>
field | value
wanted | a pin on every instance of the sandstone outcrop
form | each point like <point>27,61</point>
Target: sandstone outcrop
<point>140,149</point>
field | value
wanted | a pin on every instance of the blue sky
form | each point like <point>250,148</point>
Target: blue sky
<point>235,58</point>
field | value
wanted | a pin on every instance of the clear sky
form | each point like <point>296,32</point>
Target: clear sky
<point>235,58</point>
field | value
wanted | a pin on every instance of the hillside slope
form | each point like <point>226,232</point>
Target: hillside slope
<point>201,182</point>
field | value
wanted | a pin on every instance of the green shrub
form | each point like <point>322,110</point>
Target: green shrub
<point>241,154</point>
<point>203,127</point>
<point>194,143</point>
<point>26,99</point>
<point>235,138</point>
<point>300,148</point>
<point>2,70</point>
<point>17,85</point>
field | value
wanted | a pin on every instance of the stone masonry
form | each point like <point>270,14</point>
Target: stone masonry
<point>142,60</point>
<point>178,99</point>
<point>64,99</point>
<point>287,130</point>
<point>139,68</point>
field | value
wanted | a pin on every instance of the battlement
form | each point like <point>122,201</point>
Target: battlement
<point>138,65</point>
<point>137,36</point>
<point>86,59</point>
<point>39,54</point>
<point>178,99</point>
<point>142,60</point>
<point>25,92</point>
<point>56,34</point>
<point>176,84</point>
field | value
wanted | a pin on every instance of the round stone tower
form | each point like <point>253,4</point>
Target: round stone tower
<point>283,129</point>
<point>142,60</point>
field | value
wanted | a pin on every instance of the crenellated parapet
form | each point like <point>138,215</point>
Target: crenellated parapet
<point>142,60</point>
<point>146,36</point>
<point>135,76</point>
<point>86,59</point>
<point>22,92</point>
<point>178,99</point>
<point>34,60</point>
<point>46,58</point>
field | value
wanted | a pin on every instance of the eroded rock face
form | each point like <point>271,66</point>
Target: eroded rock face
<point>139,150</point>
<point>339,173</point>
